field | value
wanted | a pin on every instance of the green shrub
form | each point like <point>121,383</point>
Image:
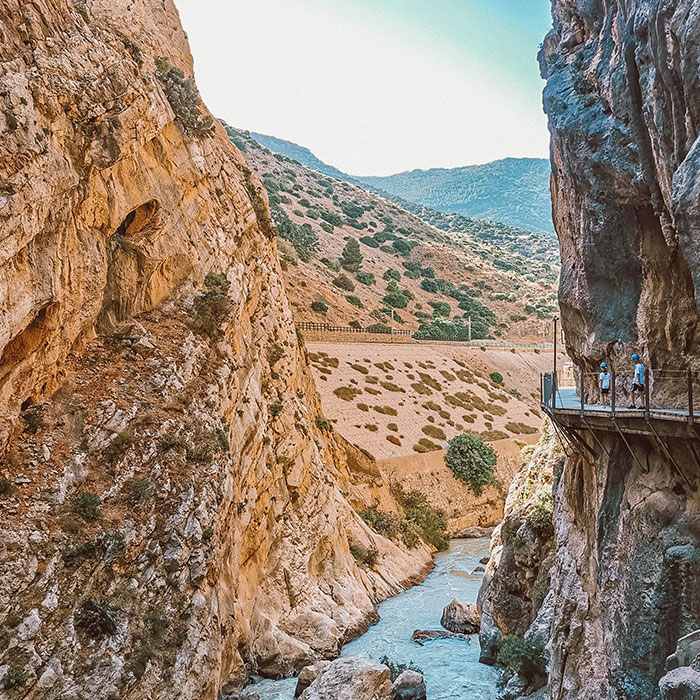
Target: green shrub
<point>391,274</point>
<point>96,619</point>
<point>303,238</point>
<point>324,424</point>
<point>472,461</point>
<point>119,445</point>
<point>430,521</point>
<point>275,408</point>
<point>387,524</point>
<point>378,328</point>
<point>142,490</point>
<point>396,300</point>
<point>366,558</point>
<point>319,307</point>
<point>351,257</point>
<point>441,308</point>
<point>540,513</point>
<point>86,505</point>
<point>496,377</point>
<point>402,246</point>
<point>396,669</point>
<point>526,658</point>
<point>184,99</point>
<point>366,278</point>
<point>344,282</point>
<point>14,677</point>
<point>170,441</point>
<point>355,301</point>
<point>213,307</point>
<point>202,452</point>
<point>369,241</point>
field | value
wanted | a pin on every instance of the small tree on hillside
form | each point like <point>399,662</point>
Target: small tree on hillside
<point>351,257</point>
<point>472,461</point>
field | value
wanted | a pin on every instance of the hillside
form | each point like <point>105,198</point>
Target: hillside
<point>301,154</point>
<point>433,280</point>
<point>514,191</point>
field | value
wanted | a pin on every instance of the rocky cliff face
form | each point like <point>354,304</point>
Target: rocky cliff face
<point>624,108</point>
<point>624,111</point>
<point>175,510</point>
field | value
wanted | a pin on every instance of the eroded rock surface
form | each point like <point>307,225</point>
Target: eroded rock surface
<point>351,679</point>
<point>220,541</point>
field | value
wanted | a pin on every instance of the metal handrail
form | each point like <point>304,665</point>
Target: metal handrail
<point>671,390</point>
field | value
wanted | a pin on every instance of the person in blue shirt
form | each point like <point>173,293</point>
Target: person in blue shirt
<point>638,380</point>
<point>604,383</point>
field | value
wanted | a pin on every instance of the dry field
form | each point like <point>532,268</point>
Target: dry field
<point>398,400</point>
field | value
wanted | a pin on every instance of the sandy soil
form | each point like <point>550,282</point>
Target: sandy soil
<point>388,398</point>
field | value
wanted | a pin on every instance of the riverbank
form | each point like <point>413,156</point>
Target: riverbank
<point>450,666</point>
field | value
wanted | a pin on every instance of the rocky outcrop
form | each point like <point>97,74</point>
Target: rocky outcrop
<point>351,679</point>
<point>175,508</point>
<point>410,685</point>
<point>624,114</point>
<point>459,617</point>
<point>624,111</point>
<point>516,581</point>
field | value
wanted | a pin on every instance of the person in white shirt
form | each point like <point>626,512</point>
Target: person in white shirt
<point>638,380</point>
<point>604,383</point>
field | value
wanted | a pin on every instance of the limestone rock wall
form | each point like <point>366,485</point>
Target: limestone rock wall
<point>221,544</point>
<point>624,112</point>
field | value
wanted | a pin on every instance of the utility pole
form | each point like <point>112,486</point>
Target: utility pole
<point>392,325</point>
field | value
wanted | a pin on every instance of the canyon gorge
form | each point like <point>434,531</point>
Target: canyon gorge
<point>179,514</point>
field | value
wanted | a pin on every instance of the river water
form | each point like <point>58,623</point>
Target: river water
<point>450,666</point>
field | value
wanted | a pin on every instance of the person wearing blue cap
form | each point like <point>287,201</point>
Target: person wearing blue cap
<point>604,383</point>
<point>638,380</point>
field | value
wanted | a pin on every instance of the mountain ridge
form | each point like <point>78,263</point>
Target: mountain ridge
<point>512,191</point>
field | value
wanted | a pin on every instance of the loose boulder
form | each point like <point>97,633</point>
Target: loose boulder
<point>308,675</point>
<point>680,684</point>
<point>462,618</point>
<point>422,636</point>
<point>410,685</point>
<point>351,679</point>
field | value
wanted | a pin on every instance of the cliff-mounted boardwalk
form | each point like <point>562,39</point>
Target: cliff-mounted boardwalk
<point>658,415</point>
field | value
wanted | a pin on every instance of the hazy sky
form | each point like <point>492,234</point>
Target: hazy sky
<point>377,86</point>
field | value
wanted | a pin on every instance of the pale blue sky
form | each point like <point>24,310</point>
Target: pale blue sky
<point>377,86</point>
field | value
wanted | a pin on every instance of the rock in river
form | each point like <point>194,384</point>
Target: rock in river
<point>459,617</point>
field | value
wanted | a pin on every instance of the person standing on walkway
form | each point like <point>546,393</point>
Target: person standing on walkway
<point>638,380</point>
<point>604,383</point>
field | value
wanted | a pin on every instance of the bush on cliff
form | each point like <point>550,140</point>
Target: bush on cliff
<point>524,657</point>
<point>184,99</point>
<point>472,461</point>
<point>213,307</point>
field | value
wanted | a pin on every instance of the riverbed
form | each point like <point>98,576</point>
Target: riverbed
<point>451,666</point>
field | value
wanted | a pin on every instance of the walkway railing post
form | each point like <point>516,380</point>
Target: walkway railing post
<point>646,395</point>
<point>555,388</point>
<point>691,409</point>
<point>583,388</point>
<point>612,393</point>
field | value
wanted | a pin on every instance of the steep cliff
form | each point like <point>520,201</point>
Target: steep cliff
<point>624,111</point>
<point>174,506</point>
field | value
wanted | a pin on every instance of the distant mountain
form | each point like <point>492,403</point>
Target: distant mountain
<point>514,191</point>
<point>300,154</point>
